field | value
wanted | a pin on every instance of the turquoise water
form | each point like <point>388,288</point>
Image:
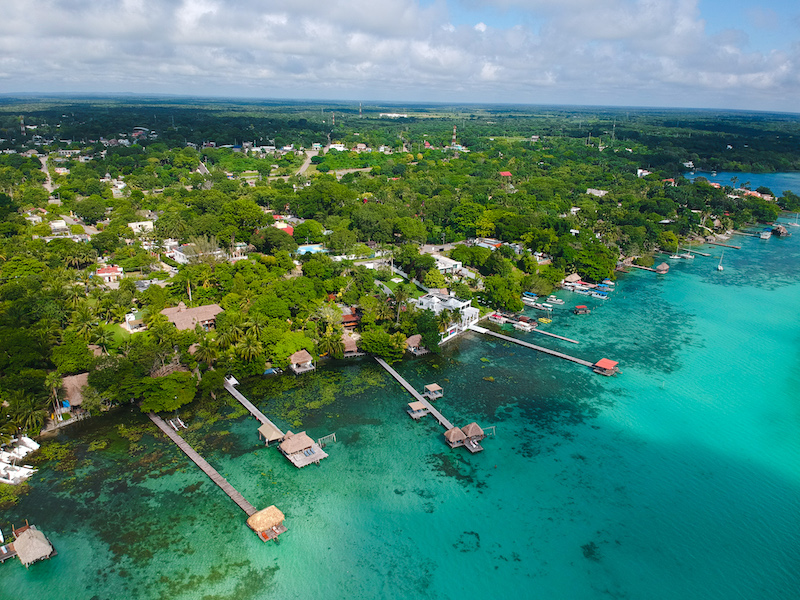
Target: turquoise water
<point>777,182</point>
<point>678,479</point>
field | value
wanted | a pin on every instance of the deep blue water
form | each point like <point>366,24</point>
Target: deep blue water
<point>777,182</point>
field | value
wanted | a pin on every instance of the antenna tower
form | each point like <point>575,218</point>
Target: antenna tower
<point>453,143</point>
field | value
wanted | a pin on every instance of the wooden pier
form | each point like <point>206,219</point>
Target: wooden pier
<point>745,233</point>
<point>642,268</point>
<point>417,396</point>
<point>574,359</point>
<point>560,337</point>
<point>226,487</point>
<point>724,245</point>
<point>695,252</point>
<point>268,429</point>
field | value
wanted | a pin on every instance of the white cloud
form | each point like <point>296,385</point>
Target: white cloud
<point>610,51</point>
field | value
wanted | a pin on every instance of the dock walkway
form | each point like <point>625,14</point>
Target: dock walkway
<point>203,464</point>
<point>724,245</point>
<point>560,337</point>
<point>574,359</point>
<point>228,385</point>
<point>417,396</point>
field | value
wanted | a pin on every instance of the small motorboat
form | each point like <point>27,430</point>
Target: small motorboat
<point>554,300</point>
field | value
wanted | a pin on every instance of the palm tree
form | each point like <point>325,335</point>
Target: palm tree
<point>443,320</point>
<point>83,321</point>
<point>401,296</point>
<point>328,313</point>
<point>248,348</point>
<point>256,324</point>
<point>26,412</point>
<point>331,343</point>
<point>54,382</point>
<point>103,337</point>
<point>207,351</point>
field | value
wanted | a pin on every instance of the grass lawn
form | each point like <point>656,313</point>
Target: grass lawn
<point>393,286</point>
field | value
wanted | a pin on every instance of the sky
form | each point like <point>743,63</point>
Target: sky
<point>736,54</point>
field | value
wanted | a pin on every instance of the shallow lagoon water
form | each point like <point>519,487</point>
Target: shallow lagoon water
<point>678,479</point>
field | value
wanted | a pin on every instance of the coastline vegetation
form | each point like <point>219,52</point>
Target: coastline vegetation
<point>561,191</point>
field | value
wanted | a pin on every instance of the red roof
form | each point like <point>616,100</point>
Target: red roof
<point>582,306</point>
<point>606,363</point>
<point>505,173</point>
<point>289,229</point>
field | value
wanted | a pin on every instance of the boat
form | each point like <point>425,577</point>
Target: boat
<point>795,224</point>
<point>766,234</point>
<point>541,306</point>
<point>545,320</point>
<point>547,306</point>
<point>529,294</point>
<point>608,282</point>
<point>499,319</point>
<point>528,301</point>
<point>674,256</point>
<point>581,309</point>
<point>520,326</point>
<point>599,295</point>
<point>554,300</point>
<point>719,266</point>
<point>687,255</point>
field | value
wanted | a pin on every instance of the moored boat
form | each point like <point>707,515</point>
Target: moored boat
<point>554,300</point>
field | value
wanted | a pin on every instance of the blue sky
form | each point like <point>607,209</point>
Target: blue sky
<point>688,53</point>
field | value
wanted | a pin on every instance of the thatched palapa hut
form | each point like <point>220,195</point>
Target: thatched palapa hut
<point>454,437</point>
<point>267,523</point>
<point>473,432</point>
<point>32,546</point>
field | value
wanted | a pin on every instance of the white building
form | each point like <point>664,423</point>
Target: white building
<point>446,265</point>
<point>439,302</point>
<point>141,226</point>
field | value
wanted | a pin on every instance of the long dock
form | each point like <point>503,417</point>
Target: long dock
<point>695,251</point>
<point>574,359</point>
<point>417,396</point>
<point>228,385</point>
<point>560,337</point>
<point>204,466</point>
<point>724,245</point>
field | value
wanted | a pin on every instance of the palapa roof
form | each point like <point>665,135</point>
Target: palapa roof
<point>300,357</point>
<point>454,435</point>
<point>32,545</point>
<point>72,387</point>
<point>296,442</point>
<point>472,430</point>
<point>572,278</point>
<point>186,318</point>
<point>266,519</point>
<point>270,432</point>
<point>606,363</point>
<point>433,387</point>
<point>417,405</point>
<point>350,344</point>
<point>414,341</point>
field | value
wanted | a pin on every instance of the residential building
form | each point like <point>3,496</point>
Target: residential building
<point>110,273</point>
<point>446,265</point>
<point>188,318</point>
<point>438,302</point>
<point>141,226</point>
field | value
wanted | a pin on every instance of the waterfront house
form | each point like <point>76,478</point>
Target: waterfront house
<point>414,345</point>
<point>301,362</point>
<point>267,523</point>
<point>188,318</point>
<point>438,302</point>
<point>350,347</point>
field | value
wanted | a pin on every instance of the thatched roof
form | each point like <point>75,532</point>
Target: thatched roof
<point>416,405</point>
<point>350,344</point>
<point>186,318</point>
<point>454,435</point>
<point>296,442</point>
<point>414,341</point>
<point>662,268</point>
<point>300,357</point>
<point>265,519</point>
<point>472,430</point>
<point>269,432</point>
<point>72,388</point>
<point>31,545</point>
<point>572,278</point>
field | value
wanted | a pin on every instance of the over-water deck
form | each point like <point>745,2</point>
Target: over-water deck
<point>226,487</point>
<point>417,396</point>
